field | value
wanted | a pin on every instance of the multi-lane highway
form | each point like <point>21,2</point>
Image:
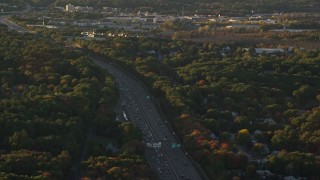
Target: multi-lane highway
<point>168,161</point>
<point>13,26</point>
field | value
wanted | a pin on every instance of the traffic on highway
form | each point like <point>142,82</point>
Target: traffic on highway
<point>162,148</point>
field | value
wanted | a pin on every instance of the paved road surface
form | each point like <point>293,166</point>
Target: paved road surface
<point>169,163</point>
<point>13,26</point>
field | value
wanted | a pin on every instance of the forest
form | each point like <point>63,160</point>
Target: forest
<point>235,110</point>
<point>55,103</point>
<point>221,101</point>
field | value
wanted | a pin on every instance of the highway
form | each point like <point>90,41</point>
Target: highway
<point>169,162</point>
<point>13,26</point>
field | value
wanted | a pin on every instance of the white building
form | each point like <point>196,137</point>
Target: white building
<point>270,121</point>
<point>84,9</point>
<point>70,8</point>
<point>269,50</point>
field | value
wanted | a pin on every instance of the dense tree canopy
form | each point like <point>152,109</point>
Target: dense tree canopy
<point>238,97</point>
<point>50,99</point>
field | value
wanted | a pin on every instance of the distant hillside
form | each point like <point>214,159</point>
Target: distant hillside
<point>198,6</point>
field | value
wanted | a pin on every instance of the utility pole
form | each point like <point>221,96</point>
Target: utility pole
<point>182,11</point>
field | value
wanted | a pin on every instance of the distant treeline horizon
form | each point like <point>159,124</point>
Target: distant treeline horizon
<point>232,7</point>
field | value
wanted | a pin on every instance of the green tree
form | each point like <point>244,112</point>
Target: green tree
<point>243,136</point>
<point>305,93</point>
<point>20,139</point>
<point>242,122</point>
